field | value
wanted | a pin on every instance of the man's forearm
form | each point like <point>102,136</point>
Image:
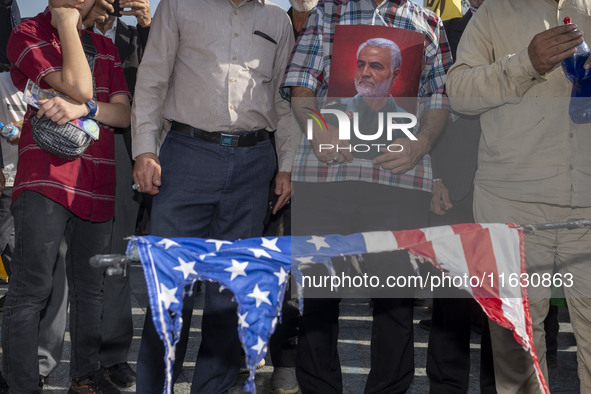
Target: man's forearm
<point>432,124</point>
<point>302,97</point>
<point>75,74</point>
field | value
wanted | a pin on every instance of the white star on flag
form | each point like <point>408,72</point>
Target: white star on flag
<point>186,268</point>
<point>237,269</point>
<point>242,320</point>
<point>203,256</point>
<point>305,260</point>
<point>259,252</point>
<point>167,243</point>
<point>319,242</point>
<point>260,296</point>
<point>270,244</point>
<point>167,296</point>
<point>282,275</point>
<point>259,346</point>
<point>219,243</point>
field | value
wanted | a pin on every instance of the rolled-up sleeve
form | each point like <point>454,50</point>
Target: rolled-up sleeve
<point>437,61</point>
<point>306,66</point>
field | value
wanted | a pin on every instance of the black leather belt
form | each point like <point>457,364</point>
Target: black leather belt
<point>234,139</point>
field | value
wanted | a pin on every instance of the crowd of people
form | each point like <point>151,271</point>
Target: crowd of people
<point>203,111</point>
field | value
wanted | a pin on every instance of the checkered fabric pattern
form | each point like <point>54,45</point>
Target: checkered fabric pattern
<point>310,67</point>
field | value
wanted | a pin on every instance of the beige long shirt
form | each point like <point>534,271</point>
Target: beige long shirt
<point>530,150</point>
<point>207,64</point>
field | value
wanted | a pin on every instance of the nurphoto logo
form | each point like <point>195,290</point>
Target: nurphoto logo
<point>393,121</point>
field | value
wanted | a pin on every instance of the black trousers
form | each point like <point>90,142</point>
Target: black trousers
<point>343,208</point>
<point>454,313</point>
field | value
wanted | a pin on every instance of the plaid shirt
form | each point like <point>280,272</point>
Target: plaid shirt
<point>85,186</point>
<point>310,67</point>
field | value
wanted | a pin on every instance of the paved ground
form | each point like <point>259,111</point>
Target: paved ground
<point>353,347</point>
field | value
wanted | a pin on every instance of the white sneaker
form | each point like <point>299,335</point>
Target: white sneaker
<point>283,381</point>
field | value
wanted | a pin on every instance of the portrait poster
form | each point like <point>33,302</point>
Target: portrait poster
<point>347,40</point>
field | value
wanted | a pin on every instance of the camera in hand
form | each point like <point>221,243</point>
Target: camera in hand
<point>116,9</point>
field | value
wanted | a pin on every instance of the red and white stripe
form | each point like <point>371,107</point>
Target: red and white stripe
<point>479,250</point>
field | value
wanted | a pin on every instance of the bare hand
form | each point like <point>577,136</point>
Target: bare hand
<point>550,47</point>
<point>440,201</point>
<point>400,161</point>
<point>325,143</point>
<point>146,173</point>
<point>65,16</point>
<point>15,139</point>
<point>282,189</point>
<point>61,110</point>
<point>99,13</point>
<point>140,9</point>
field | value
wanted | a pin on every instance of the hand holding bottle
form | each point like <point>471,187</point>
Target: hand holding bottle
<point>8,130</point>
<point>578,70</point>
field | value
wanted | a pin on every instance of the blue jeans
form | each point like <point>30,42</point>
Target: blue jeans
<point>40,224</point>
<point>208,191</point>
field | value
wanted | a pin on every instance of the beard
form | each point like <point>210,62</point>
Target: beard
<point>303,5</point>
<point>381,89</point>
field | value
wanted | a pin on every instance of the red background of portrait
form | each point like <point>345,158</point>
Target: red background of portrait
<point>344,58</point>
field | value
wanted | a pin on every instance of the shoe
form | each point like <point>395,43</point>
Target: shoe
<point>425,324</point>
<point>283,381</point>
<point>98,384</point>
<point>244,368</point>
<point>121,374</point>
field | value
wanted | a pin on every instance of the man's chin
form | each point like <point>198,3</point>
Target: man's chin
<point>366,92</point>
<point>303,5</point>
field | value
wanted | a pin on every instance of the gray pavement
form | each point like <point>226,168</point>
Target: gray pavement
<point>355,331</point>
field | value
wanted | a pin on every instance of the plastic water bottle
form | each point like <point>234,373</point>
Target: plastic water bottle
<point>8,130</point>
<point>580,102</point>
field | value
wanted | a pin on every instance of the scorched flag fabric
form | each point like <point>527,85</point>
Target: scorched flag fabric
<point>256,271</point>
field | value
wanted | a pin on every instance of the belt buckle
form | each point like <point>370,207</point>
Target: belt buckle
<point>229,140</point>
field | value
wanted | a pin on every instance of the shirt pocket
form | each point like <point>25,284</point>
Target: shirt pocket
<point>260,57</point>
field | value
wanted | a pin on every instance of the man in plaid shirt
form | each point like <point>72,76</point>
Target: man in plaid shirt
<point>339,193</point>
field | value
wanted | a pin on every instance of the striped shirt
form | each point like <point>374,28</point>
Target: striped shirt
<point>85,186</point>
<point>310,68</point>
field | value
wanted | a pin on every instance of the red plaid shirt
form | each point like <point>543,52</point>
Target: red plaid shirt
<point>85,186</point>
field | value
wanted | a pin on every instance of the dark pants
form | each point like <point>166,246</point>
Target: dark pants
<point>283,342</point>
<point>348,207</point>
<point>448,354</point>
<point>454,312</point>
<point>52,324</point>
<point>6,229</point>
<point>117,325</point>
<point>40,224</point>
<point>208,191</point>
